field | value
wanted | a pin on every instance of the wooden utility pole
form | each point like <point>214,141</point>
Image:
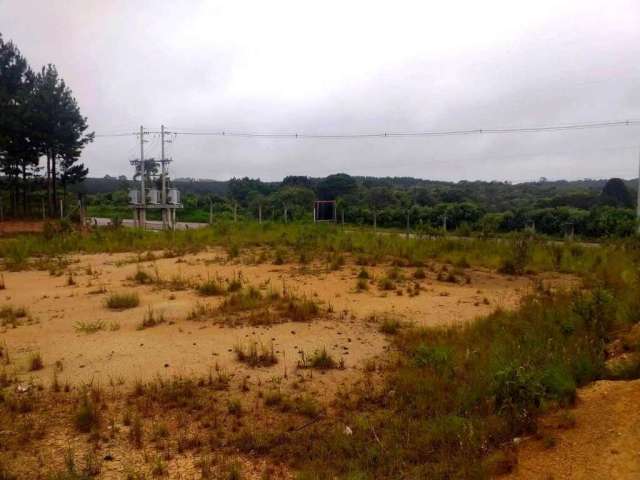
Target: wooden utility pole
<point>141,211</point>
<point>163,192</point>
<point>260,213</point>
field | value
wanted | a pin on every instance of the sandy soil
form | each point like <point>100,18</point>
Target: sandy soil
<point>183,347</point>
<point>603,444</point>
<point>120,356</point>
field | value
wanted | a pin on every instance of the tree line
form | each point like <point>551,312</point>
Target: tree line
<point>589,208</point>
<point>42,134</point>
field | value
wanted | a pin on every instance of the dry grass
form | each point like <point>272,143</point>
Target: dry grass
<point>122,301</point>
<point>151,319</point>
<point>320,359</point>
<point>256,355</point>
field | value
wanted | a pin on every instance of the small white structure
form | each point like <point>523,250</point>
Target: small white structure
<point>154,196</point>
<point>173,197</point>
<point>134,197</point>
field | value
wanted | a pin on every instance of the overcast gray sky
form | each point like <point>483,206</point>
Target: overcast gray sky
<point>340,66</point>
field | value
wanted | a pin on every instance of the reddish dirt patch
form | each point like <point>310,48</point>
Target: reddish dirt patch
<point>11,227</point>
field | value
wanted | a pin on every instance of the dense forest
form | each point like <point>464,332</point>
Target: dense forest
<point>588,208</point>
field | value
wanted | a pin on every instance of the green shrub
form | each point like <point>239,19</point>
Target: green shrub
<point>210,288</point>
<point>87,415</point>
<point>122,301</point>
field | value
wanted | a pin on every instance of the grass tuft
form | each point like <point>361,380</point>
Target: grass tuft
<point>255,355</point>
<point>122,301</point>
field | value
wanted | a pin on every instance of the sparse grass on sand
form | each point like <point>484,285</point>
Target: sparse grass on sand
<point>256,355</point>
<point>35,362</point>
<point>151,319</point>
<point>447,404</point>
<point>320,359</point>
<point>456,396</point>
<point>12,316</point>
<point>267,308</point>
<point>89,327</point>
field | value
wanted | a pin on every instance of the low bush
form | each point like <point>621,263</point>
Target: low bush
<point>122,301</point>
<point>211,287</point>
<point>320,359</point>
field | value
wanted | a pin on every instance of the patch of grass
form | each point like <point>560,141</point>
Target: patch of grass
<point>86,417</point>
<point>362,284</point>
<point>336,262</point>
<point>136,432</point>
<point>419,274</point>
<point>151,319</point>
<point>12,316</point>
<point>235,284</point>
<point>211,287</point>
<point>390,325</point>
<point>123,301</point>
<point>141,277</point>
<point>35,362</point>
<point>298,309</point>
<point>89,327</point>
<point>234,407</point>
<point>249,298</point>
<point>386,283</point>
<point>320,359</point>
<point>255,355</point>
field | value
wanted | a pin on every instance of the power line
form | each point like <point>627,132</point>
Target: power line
<point>436,133</point>
<point>546,128</point>
<point>103,135</point>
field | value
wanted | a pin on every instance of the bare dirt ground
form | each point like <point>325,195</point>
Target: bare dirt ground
<point>121,354</point>
<point>604,442</point>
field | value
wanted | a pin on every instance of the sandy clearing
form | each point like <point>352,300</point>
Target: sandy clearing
<point>182,347</point>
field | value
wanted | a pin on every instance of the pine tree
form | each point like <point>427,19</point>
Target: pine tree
<point>60,130</point>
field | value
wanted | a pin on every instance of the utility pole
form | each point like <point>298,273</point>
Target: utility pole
<point>163,192</point>
<point>141,212</point>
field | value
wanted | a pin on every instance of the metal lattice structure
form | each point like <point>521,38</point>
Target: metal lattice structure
<point>153,190</point>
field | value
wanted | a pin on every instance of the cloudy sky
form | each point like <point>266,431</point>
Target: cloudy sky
<point>327,67</point>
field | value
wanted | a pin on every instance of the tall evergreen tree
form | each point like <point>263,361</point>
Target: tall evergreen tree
<point>18,152</point>
<point>61,129</point>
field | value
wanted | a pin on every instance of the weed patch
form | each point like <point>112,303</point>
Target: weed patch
<point>122,301</point>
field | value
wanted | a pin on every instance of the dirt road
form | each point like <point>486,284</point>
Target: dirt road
<point>603,444</point>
